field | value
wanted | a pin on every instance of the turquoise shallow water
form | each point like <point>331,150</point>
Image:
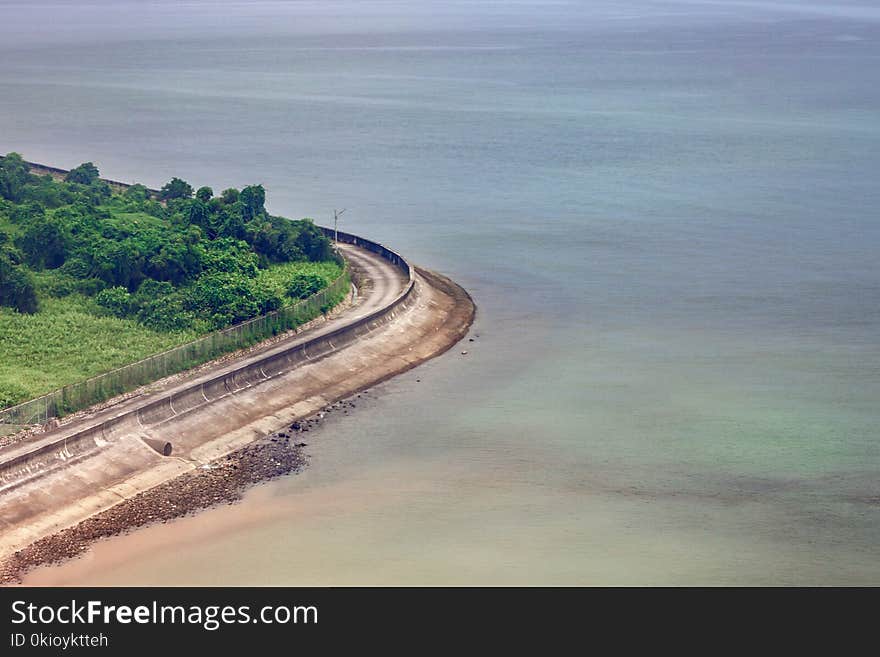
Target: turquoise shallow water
<point>667,213</point>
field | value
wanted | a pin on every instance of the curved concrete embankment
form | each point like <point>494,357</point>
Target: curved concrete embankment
<point>407,316</point>
<point>25,461</point>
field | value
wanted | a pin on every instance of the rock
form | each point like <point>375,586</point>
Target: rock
<point>464,353</point>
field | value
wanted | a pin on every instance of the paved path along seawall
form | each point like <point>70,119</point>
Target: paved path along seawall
<point>403,316</point>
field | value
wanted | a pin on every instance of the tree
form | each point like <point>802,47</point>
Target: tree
<point>46,191</point>
<point>229,196</point>
<point>118,262</point>
<point>253,198</point>
<point>177,261</point>
<point>188,262</point>
<point>175,188</point>
<point>17,289</point>
<point>232,221</point>
<point>45,242</point>
<point>14,175</point>
<point>85,174</point>
<point>312,242</point>
<point>99,192</point>
<point>198,212</point>
<point>230,255</point>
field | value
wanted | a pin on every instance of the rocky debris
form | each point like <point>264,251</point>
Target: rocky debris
<point>223,481</point>
<point>25,432</point>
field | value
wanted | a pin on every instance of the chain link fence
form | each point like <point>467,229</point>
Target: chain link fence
<point>77,396</point>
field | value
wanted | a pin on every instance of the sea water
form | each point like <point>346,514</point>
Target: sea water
<point>667,213</point>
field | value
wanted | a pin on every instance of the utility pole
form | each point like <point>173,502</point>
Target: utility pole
<point>336,215</point>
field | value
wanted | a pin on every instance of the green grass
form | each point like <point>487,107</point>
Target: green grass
<point>66,341</point>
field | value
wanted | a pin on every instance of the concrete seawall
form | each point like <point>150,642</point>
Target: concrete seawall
<point>169,435</point>
<point>21,463</point>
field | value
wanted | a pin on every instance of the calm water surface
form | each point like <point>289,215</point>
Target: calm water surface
<point>666,211</point>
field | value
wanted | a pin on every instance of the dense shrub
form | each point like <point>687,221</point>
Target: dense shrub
<point>27,212</point>
<point>75,267</point>
<point>224,297</point>
<point>230,255</point>
<point>45,242</point>
<point>304,285</point>
<point>165,313</point>
<point>116,301</point>
<point>17,288</point>
<point>137,193</point>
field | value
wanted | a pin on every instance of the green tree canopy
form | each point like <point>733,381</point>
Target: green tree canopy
<point>175,188</point>
<point>85,174</point>
<point>45,242</point>
<point>191,263</point>
<point>229,196</point>
<point>253,198</point>
<point>14,175</point>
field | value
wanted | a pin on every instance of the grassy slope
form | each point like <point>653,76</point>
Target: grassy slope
<point>64,343</point>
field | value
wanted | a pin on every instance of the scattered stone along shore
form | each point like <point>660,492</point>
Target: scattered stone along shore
<point>221,482</point>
